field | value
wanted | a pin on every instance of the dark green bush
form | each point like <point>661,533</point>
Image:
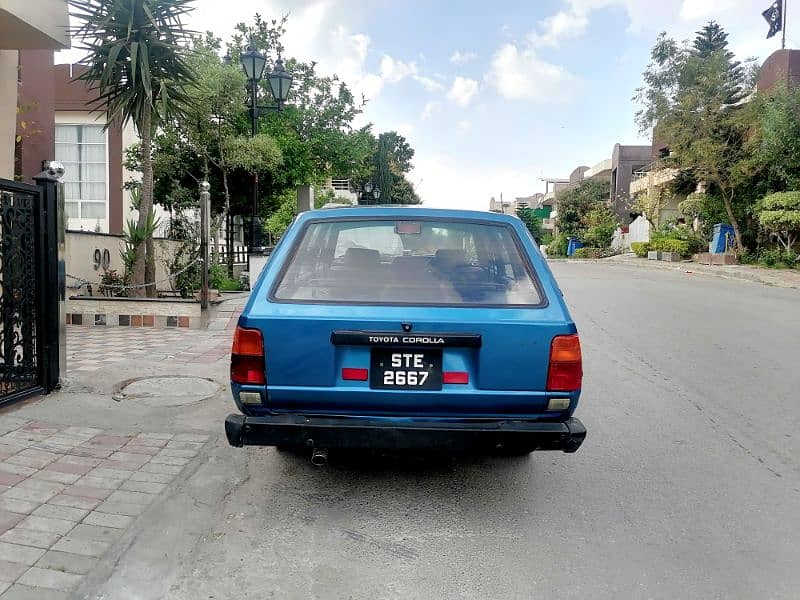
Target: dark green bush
<point>218,279</point>
<point>594,253</point>
<point>770,257</point>
<point>558,247</point>
<point>640,249</point>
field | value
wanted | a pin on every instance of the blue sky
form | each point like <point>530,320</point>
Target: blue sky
<point>495,95</point>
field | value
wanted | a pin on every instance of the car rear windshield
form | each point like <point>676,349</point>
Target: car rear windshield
<point>408,262</point>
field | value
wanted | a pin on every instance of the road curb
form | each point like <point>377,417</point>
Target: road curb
<point>692,268</point>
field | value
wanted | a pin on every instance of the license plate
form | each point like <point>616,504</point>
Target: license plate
<point>406,369</point>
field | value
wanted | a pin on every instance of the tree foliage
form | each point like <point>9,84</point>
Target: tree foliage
<point>531,221</point>
<point>136,62</point>
<point>391,162</point>
<point>575,204</point>
<point>779,214</point>
<point>693,96</point>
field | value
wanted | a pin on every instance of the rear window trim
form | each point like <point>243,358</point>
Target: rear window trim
<point>300,235</point>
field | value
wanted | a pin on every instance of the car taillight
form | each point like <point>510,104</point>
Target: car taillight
<point>566,365</point>
<point>247,357</point>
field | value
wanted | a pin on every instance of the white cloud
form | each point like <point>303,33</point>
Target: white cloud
<point>394,71</point>
<point>520,75</point>
<point>428,83</point>
<point>463,91</point>
<point>572,21</point>
<point>430,109</point>
<point>464,126</point>
<point>700,9</point>
<point>460,58</point>
<point>563,24</point>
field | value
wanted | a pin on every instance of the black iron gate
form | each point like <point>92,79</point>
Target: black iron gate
<point>29,308</point>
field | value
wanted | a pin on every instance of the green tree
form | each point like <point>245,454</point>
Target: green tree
<point>777,144</point>
<point>575,204</point>
<point>779,214</point>
<point>383,176</point>
<point>693,96</point>
<point>137,64</point>
<point>532,222</point>
<point>391,163</point>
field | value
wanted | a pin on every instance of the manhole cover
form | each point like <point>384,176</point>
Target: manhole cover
<point>169,391</point>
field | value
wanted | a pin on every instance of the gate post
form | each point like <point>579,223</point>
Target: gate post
<point>52,278</point>
<point>205,218</point>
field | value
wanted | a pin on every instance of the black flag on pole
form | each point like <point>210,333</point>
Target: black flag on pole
<point>774,16</point>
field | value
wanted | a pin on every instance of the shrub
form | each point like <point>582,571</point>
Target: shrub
<point>769,257</point>
<point>594,253</point>
<point>694,242</point>
<point>790,259</point>
<point>668,245</point>
<point>640,249</point>
<point>110,283</point>
<point>558,247</point>
<point>600,236</point>
<point>218,279</point>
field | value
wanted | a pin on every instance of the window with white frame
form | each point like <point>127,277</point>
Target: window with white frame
<point>82,150</point>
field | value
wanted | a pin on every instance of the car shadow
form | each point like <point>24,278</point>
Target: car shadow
<point>415,462</point>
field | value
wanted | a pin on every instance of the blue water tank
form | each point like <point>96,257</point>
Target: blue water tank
<point>572,245</point>
<point>723,239</point>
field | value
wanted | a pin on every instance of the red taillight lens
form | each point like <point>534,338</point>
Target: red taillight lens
<point>455,378</point>
<point>566,364</point>
<point>355,374</point>
<point>247,357</point>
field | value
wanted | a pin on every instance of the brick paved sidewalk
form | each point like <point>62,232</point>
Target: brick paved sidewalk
<point>93,348</point>
<point>68,493</point>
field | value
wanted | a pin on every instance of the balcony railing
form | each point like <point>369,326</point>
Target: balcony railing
<point>341,185</point>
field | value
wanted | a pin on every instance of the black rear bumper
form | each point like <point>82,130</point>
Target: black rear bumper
<point>349,432</point>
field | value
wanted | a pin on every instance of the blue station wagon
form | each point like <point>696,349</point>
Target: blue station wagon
<point>406,327</point>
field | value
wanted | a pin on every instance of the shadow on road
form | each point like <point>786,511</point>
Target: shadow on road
<point>366,462</point>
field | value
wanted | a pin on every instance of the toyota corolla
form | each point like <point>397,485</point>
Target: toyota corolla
<point>406,327</point>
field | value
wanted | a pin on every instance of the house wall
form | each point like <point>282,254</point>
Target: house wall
<point>8,111</point>
<point>74,104</point>
<point>81,248</point>
<point>624,161</point>
<point>781,68</point>
<point>36,99</point>
<point>639,230</point>
<point>31,24</point>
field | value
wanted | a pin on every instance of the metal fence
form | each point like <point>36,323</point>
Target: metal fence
<point>30,289</point>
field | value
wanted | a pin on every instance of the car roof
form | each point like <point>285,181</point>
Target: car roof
<point>404,211</point>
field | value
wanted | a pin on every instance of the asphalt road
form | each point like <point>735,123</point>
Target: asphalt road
<point>688,485</point>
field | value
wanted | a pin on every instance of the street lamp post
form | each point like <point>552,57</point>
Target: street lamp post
<point>280,83</point>
<point>369,193</point>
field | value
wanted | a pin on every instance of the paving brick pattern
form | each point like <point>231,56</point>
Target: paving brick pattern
<point>96,349</point>
<point>68,493</point>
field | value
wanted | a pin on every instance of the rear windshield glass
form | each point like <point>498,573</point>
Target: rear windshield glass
<point>408,262</point>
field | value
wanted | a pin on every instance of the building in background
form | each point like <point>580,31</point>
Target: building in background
<point>38,28</point>
<point>625,161</point>
<point>782,68</point>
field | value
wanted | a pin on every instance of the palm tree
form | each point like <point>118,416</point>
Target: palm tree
<point>136,62</point>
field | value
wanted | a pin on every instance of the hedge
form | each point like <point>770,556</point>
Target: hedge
<point>667,245</point>
<point>640,249</point>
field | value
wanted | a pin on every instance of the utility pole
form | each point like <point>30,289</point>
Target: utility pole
<point>783,25</point>
<point>205,221</point>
